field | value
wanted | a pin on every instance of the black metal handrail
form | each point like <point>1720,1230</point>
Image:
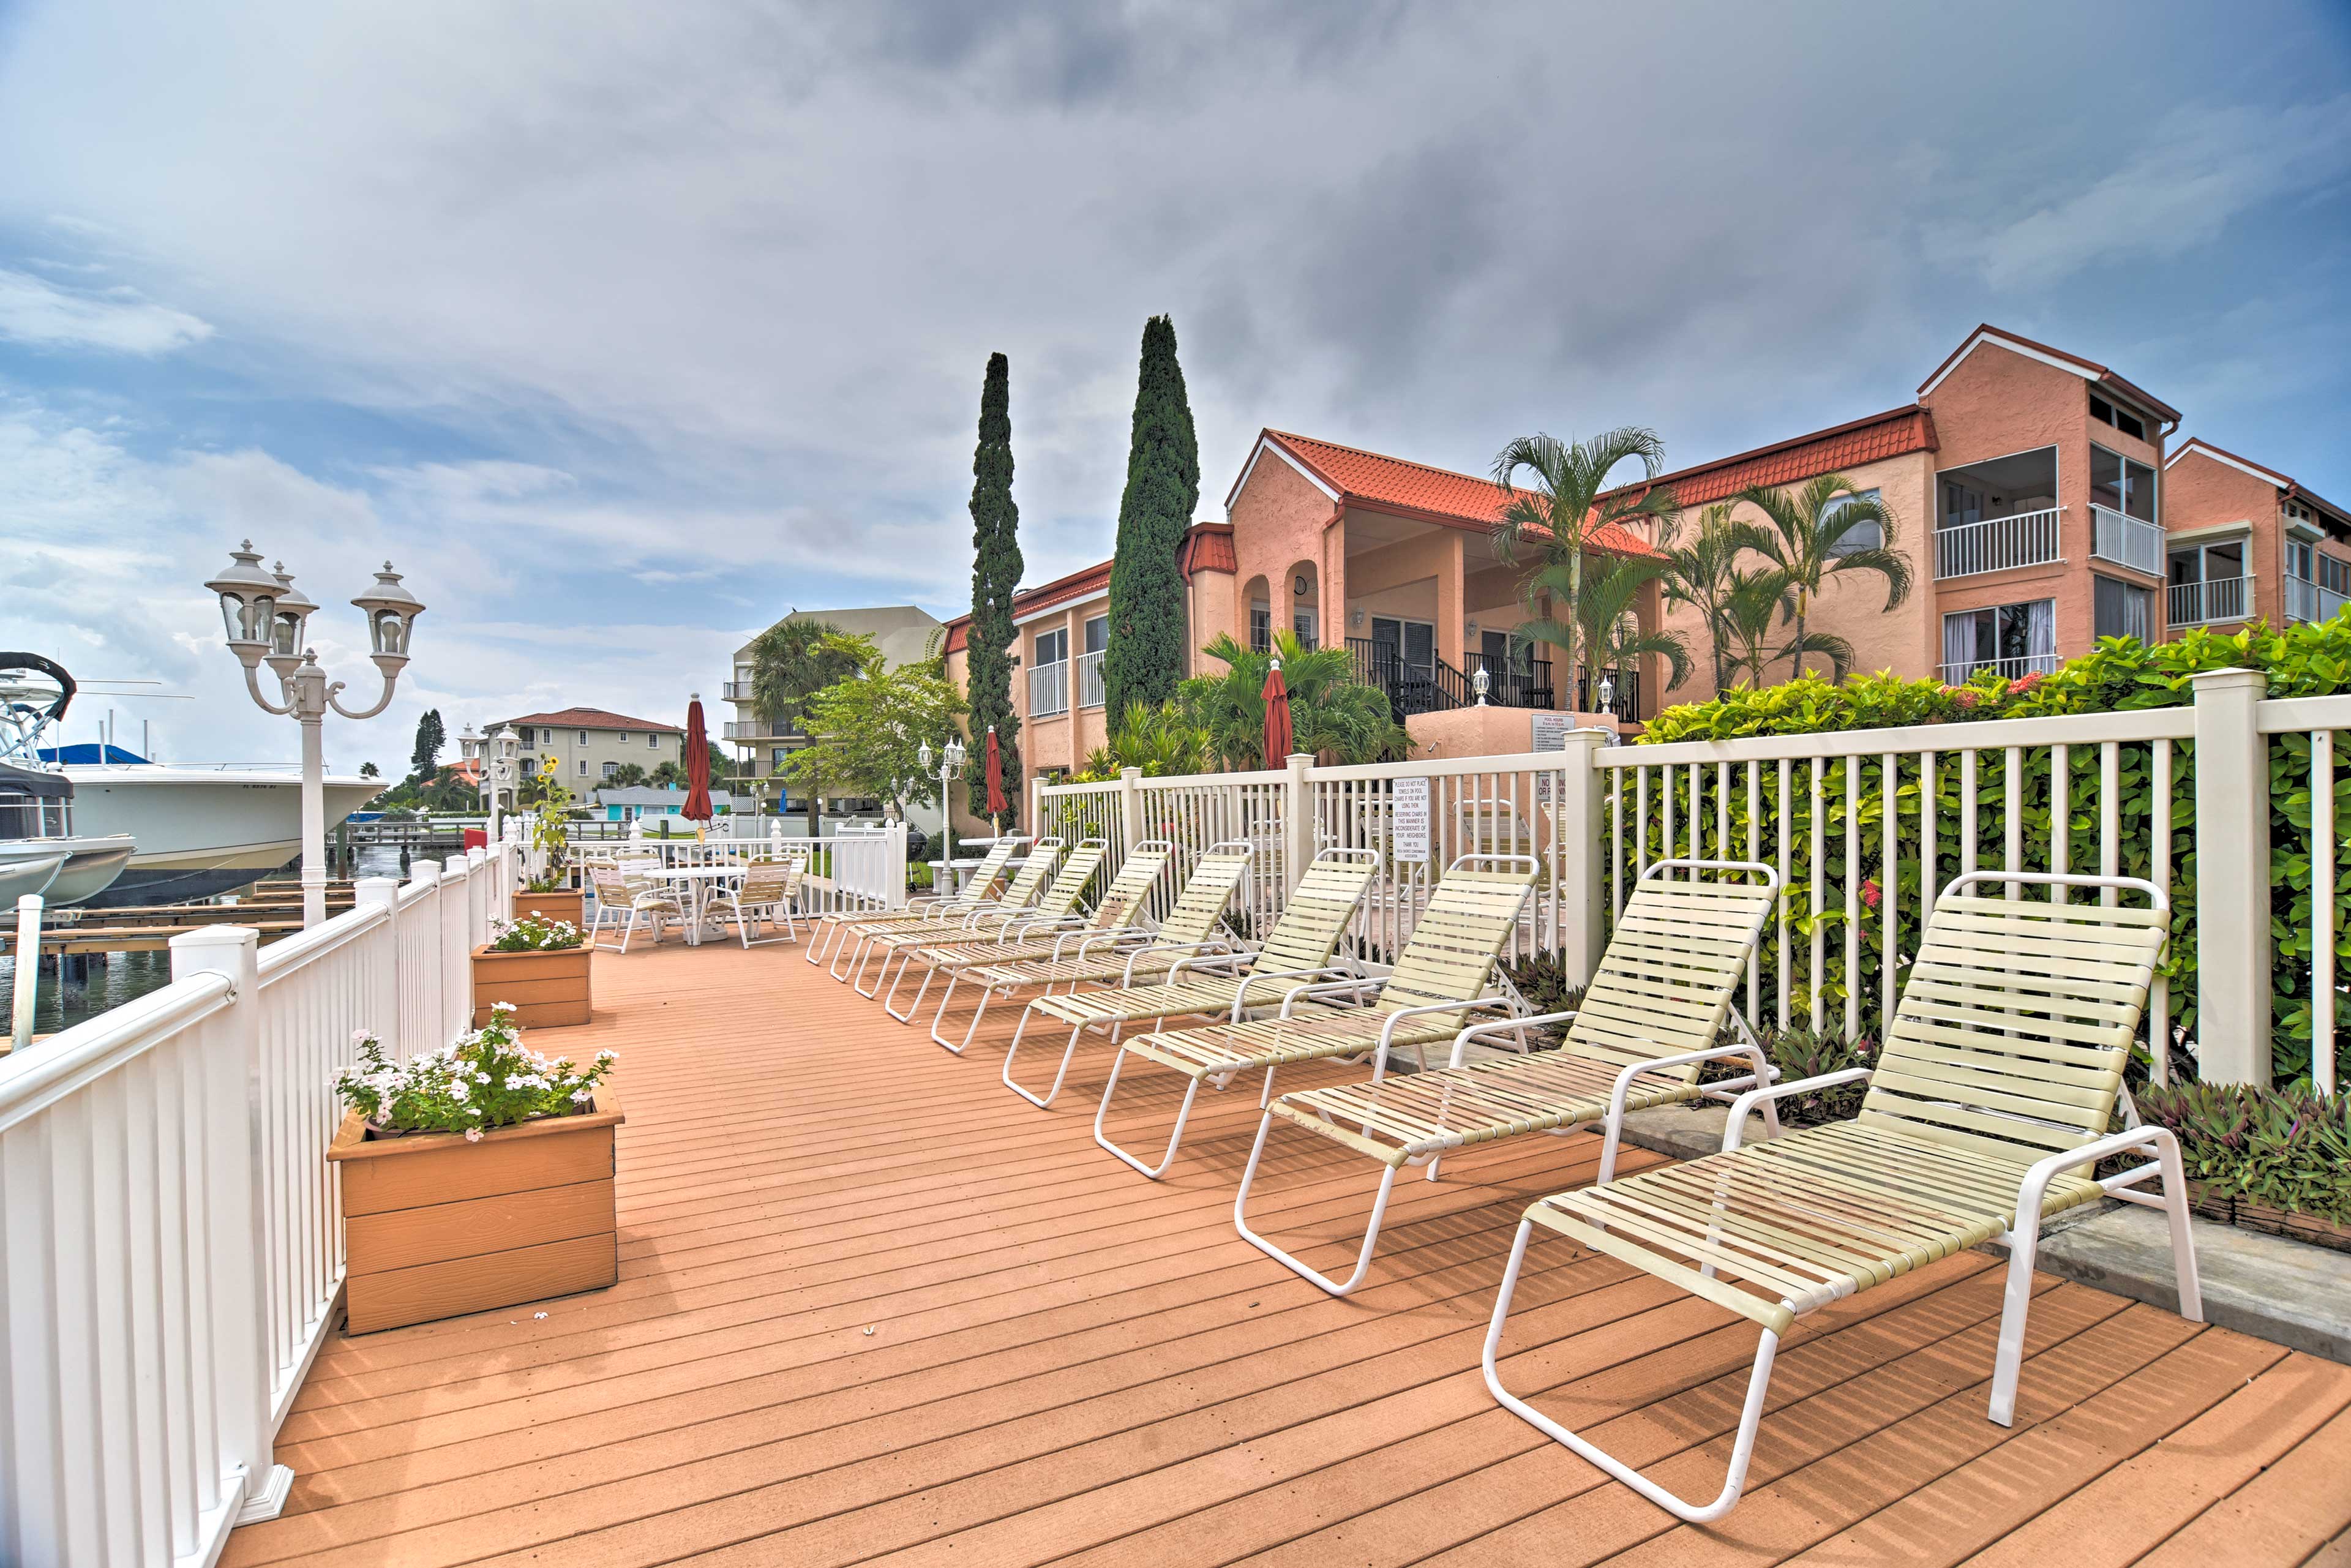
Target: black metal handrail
<point>1434,687</point>
<point>1625,701</point>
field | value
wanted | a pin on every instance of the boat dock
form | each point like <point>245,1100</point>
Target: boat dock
<point>274,909</point>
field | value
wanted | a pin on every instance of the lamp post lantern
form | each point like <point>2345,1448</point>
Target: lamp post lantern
<point>502,769</point>
<point>267,618</point>
<point>951,761</point>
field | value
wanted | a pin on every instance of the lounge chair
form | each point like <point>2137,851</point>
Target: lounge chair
<point>1296,953</point>
<point>1649,1018</point>
<point>1118,918</point>
<point>1054,909</point>
<point>1125,957</point>
<point>1044,855</point>
<point>1442,974</point>
<point>1988,1109</point>
<point>922,906</point>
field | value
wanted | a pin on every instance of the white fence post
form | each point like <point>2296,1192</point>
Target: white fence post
<point>1581,900</point>
<point>477,899</point>
<point>385,987</point>
<point>2232,890</point>
<point>456,952</point>
<point>1130,808</point>
<point>1298,819</point>
<point>235,1237</point>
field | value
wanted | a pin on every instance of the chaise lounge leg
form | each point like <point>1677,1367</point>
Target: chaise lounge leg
<point>937,1038</point>
<point>843,955</point>
<point>929,971</point>
<point>1069,1054</point>
<point>1306,1270</point>
<point>1175,1138</point>
<point>857,981</point>
<point>1750,1414</point>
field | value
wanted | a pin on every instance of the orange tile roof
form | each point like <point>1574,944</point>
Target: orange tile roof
<point>590,718</point>
<point>1881,436</point>
<point>1385,484</point>
<point>1208,547</point>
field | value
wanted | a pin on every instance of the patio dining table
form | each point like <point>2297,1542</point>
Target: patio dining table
<point>694,885</point>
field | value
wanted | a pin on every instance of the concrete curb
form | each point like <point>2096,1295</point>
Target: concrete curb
<point>2287,1292</point>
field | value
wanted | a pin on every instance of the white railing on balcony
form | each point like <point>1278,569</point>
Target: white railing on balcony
<point>2306,600</point>
<point>173,1234</point>
<point>1048,689</point>
<point>2014,667</point>
<point>2129,541</point>
<point>1090,680</point>
<point>1997,544</point>
<point>2215,599</point>
<point>736,691</point>
<point>756,729</point>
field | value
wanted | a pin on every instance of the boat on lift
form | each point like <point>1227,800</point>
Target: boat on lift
<point>44,849</point>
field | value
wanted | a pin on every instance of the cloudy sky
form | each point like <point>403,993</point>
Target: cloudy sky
<point>624,328</point>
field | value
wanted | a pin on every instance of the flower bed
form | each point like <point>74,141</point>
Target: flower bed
<point>2277,1160</point>
<point>474,1177</point>
<point>539,967</point>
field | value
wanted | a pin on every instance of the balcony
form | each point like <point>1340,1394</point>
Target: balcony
<point>1434,687</point>
<point>2126,541</point>
<point>2306,600</point>
<point>1090,680</point>
<point>1998,544</point>
<point>1048,689</point>
<point>2014,668</point>
<point>736,691</point>
<point>750,730</point>
<point>2216,598</point>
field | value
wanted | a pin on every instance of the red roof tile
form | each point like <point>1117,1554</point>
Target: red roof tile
<point>591,718</point>
<point>1801,457</point>
<point>1417,490</point>
<point>1209,548</point>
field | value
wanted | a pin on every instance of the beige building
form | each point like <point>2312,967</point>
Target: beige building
<point>589,745</point>
<point>902,632</point>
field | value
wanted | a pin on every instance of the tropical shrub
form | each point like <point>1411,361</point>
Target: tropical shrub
<point>2306,660</point>
<point>478,1083</point>
<point>1161,739</point>
<point>1801,1053</point>
<point>1332,715</point>
<point>2285,1148</point>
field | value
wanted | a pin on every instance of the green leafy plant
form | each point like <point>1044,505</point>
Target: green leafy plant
<point>866,731</point>
<point>1799,1053</point>
<point>2285,1148</point>
<point>479,1082</point>
<point>1557,500</point>
<point>1806,540</point>
<point>1332,715</point>
<point>1154,512</point>
<point>535,933</point>
<point>1161,739</point>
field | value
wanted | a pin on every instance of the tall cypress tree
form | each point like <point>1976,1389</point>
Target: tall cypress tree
<point>1163,486</point>
<point>995,575</point>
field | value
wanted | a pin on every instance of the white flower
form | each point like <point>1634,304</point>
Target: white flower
<point>361,1036</point>
<point>605,1059</point>
<point>473,1135</point>
<point>581,1097</point>
<point>459,1088</point>
<point>480,1077</point>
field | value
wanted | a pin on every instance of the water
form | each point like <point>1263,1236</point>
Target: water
<point>108,981</point>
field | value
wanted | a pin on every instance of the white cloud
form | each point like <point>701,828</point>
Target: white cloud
<point>40,313</point>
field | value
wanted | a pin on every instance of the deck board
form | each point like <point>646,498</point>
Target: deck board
<point>1068,1362</point>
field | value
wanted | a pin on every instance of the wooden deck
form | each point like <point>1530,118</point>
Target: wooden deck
<point>872,1306</point>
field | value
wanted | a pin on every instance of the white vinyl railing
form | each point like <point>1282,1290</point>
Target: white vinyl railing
<point>2130,541</point>
<point>2215,599</point>
<point>1048,689</point>
<point>171,1232</point>
<point>1997,544</point>
<point>1865,828</point>
<point>1090,693</point>
<point>2306,600</point>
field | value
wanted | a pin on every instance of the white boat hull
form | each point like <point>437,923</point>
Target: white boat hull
<point>61,871</point>
<point>201,831</point>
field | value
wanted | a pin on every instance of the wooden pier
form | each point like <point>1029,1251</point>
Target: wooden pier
<point>274,909</point>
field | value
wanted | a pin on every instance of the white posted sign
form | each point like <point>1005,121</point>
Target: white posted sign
<point>1550,734</point>
<point>1410,839</point>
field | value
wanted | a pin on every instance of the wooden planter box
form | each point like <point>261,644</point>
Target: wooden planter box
<point>435,1227</point>
<point>562,904</point>
<point>548,989</point>
<point>2247,1215</point>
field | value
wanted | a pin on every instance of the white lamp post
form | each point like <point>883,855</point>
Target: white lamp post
<point>265,617</point>
<point>951,763</point>
<point>502,771</point>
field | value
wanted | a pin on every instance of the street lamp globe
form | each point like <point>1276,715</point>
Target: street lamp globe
<point>955,753</point>
<point>249,602</point>
<point>288,623</point>
<point>923,758</point>
<point>392,612</point>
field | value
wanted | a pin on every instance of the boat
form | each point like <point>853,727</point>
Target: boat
<point>183,831</point>
<point>44,849</point>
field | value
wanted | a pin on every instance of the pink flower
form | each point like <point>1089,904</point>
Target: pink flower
<point>2023,683</point>
<point>473,1135</point>
<point>1967,697</point>
<point>1871,894</point>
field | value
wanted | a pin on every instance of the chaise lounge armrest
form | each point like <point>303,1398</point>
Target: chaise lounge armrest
<point>1753,1097</point>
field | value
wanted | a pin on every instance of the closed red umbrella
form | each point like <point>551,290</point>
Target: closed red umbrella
<point>697,765</point>
<point>997,804</point>
<point>1279,735</point>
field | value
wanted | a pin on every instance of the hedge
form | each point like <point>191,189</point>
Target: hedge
<point>2122,673</point>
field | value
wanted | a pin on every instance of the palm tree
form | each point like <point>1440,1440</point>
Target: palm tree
<point>1806,540</point>
<point>791,662</point>
<point>1754,610</point>
<point>1332,714</point>
<point>1611,629</point>
<point>1702,574</point>
<point>1566,506</point>
<point>1161,740</point>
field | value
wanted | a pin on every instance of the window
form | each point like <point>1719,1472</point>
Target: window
<point>583,737</point>
<point>1260,627</point>
<point>2299,560</point>
<point>1861,536</point>
<point>1403,647</point>
<point>2120,485</point>
<point>583,768</point>
<point>1303,623</point>
<point>1051,648</point>
<point>654,742</point>
<point>2120,609</point>
<point>1098,634</point>
<point>2010,640</point>
<point>2208,563</point>
<point>610,768</point>
<point>2334,576</point>
<point>2122,419</point>
<point>775,758</point>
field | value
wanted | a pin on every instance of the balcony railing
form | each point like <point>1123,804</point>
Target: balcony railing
<point>2126,541</point>
<point>1048,689</point>
<point>2306,600</point>
<point>736,691</point>
<point>759,729</point>
<point>1997,544</point>
<point>2014,667</point>
<point>1624,699</point>
<point>1090,680</point>
<point>2215,599</point>
<point>1511,682</point>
